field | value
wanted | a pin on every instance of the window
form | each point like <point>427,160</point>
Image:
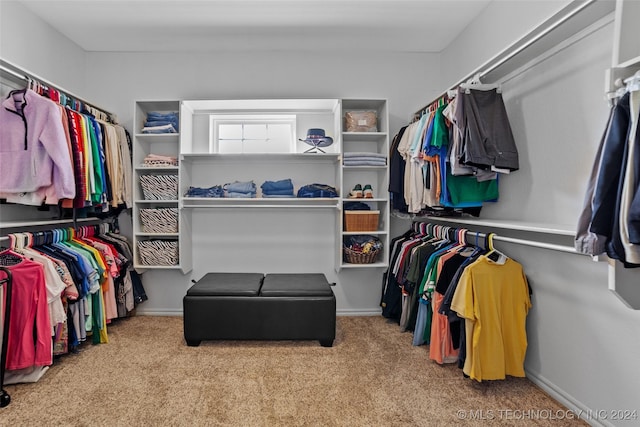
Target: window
<point>255,133</point>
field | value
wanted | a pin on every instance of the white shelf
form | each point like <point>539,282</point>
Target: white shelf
<point>157,137</point>
<point>630,63</point>
<point>157,267</point>
<point>372,265</point>
<point>160,235</point>
<point>375,199</point>
<point>357,233</point>
<point>306,157</point>
<point>155,201</point>
<point>364,168</point>
<point>155,168</point>
<point>259,202</point>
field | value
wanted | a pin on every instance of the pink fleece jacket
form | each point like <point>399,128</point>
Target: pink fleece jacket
<point>33,146</point>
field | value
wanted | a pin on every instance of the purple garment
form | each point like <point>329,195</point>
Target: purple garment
<point>33,146</point>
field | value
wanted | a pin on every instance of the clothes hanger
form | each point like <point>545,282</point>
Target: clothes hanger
<point>475,84</point>
<point>493,254</point>
<point>57,235</point>
<point>9,258</point>
<point>28,239</point>
<point>633,83</point>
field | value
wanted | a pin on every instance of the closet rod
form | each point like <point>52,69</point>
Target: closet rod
<point>543,245</point>
<point>25,75</point>
<point>510,52</point>
<point>525,242</point>
<point>22,224</point>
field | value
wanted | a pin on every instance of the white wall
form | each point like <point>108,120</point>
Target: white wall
<point>406,80</point>
<point>500,24</point>
<point>29,42</point>
<point>583,341</point>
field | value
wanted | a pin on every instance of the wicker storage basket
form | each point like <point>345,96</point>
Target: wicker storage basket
<point>361,249</point>
<point>158,252</point>
<point>159,187</point>
<point>361,220</point>
<point>159,220</point>
<point>353,257</point>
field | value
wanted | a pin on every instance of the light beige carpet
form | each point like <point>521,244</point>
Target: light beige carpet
<point>372,376</point>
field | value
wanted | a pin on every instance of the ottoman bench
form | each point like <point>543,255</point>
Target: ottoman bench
<point>253,306</point>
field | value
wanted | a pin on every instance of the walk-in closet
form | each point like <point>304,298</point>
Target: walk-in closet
<point>464,175</point>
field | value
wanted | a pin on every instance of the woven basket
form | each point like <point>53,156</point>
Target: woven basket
<point>158,163</point>
<point>354,257</point>
<point>361,220</point>
<point>159,220</point>
<point>158,252</point>
<point>159,187</point>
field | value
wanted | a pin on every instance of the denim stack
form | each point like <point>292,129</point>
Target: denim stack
<point>240,189</point>
<point>158,122</point>
<point>281,188</point>
<point>317,190</point>
<point>216,191</point>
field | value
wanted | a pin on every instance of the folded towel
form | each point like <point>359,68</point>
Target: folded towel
<point>364,154</point>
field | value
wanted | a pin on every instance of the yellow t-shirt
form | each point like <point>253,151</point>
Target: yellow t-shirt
<point>494,301</point>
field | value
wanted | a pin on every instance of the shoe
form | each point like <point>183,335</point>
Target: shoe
<point>356,193</point>
<point>367,192</point>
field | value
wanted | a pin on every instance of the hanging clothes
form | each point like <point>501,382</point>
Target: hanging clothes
<point>72,157</point>
<point>493,299</point>
<point>610,220</point>
<point>453,153</point>
<point>34,153</point>
<point>468,306</point>
<point>29,341</point>
<point>486,133</point>
<point>81,279</point>
<point>396,175</point>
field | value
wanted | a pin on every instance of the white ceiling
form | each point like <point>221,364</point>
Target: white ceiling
<point>245,25</point>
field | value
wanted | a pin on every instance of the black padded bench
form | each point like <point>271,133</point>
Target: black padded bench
<point>253,306</point>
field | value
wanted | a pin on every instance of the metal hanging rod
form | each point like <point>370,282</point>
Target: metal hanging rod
<point>525,242</point>
<point>60,222</point>
<point>542,245</point>
<point>24,75</point>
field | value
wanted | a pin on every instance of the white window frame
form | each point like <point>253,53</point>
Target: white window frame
<point>215,120</point>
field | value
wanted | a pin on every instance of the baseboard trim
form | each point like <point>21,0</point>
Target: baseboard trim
<point>342,312</point>
<point>363,312</point>
<point>166,312</point>
<point>585,413</point>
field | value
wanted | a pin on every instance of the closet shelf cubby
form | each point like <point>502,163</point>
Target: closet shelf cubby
<point>146,145</point>
<point>209,153</point>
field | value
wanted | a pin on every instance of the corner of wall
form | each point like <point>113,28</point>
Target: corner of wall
<point>492,31</point>
<point>41,49</point>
